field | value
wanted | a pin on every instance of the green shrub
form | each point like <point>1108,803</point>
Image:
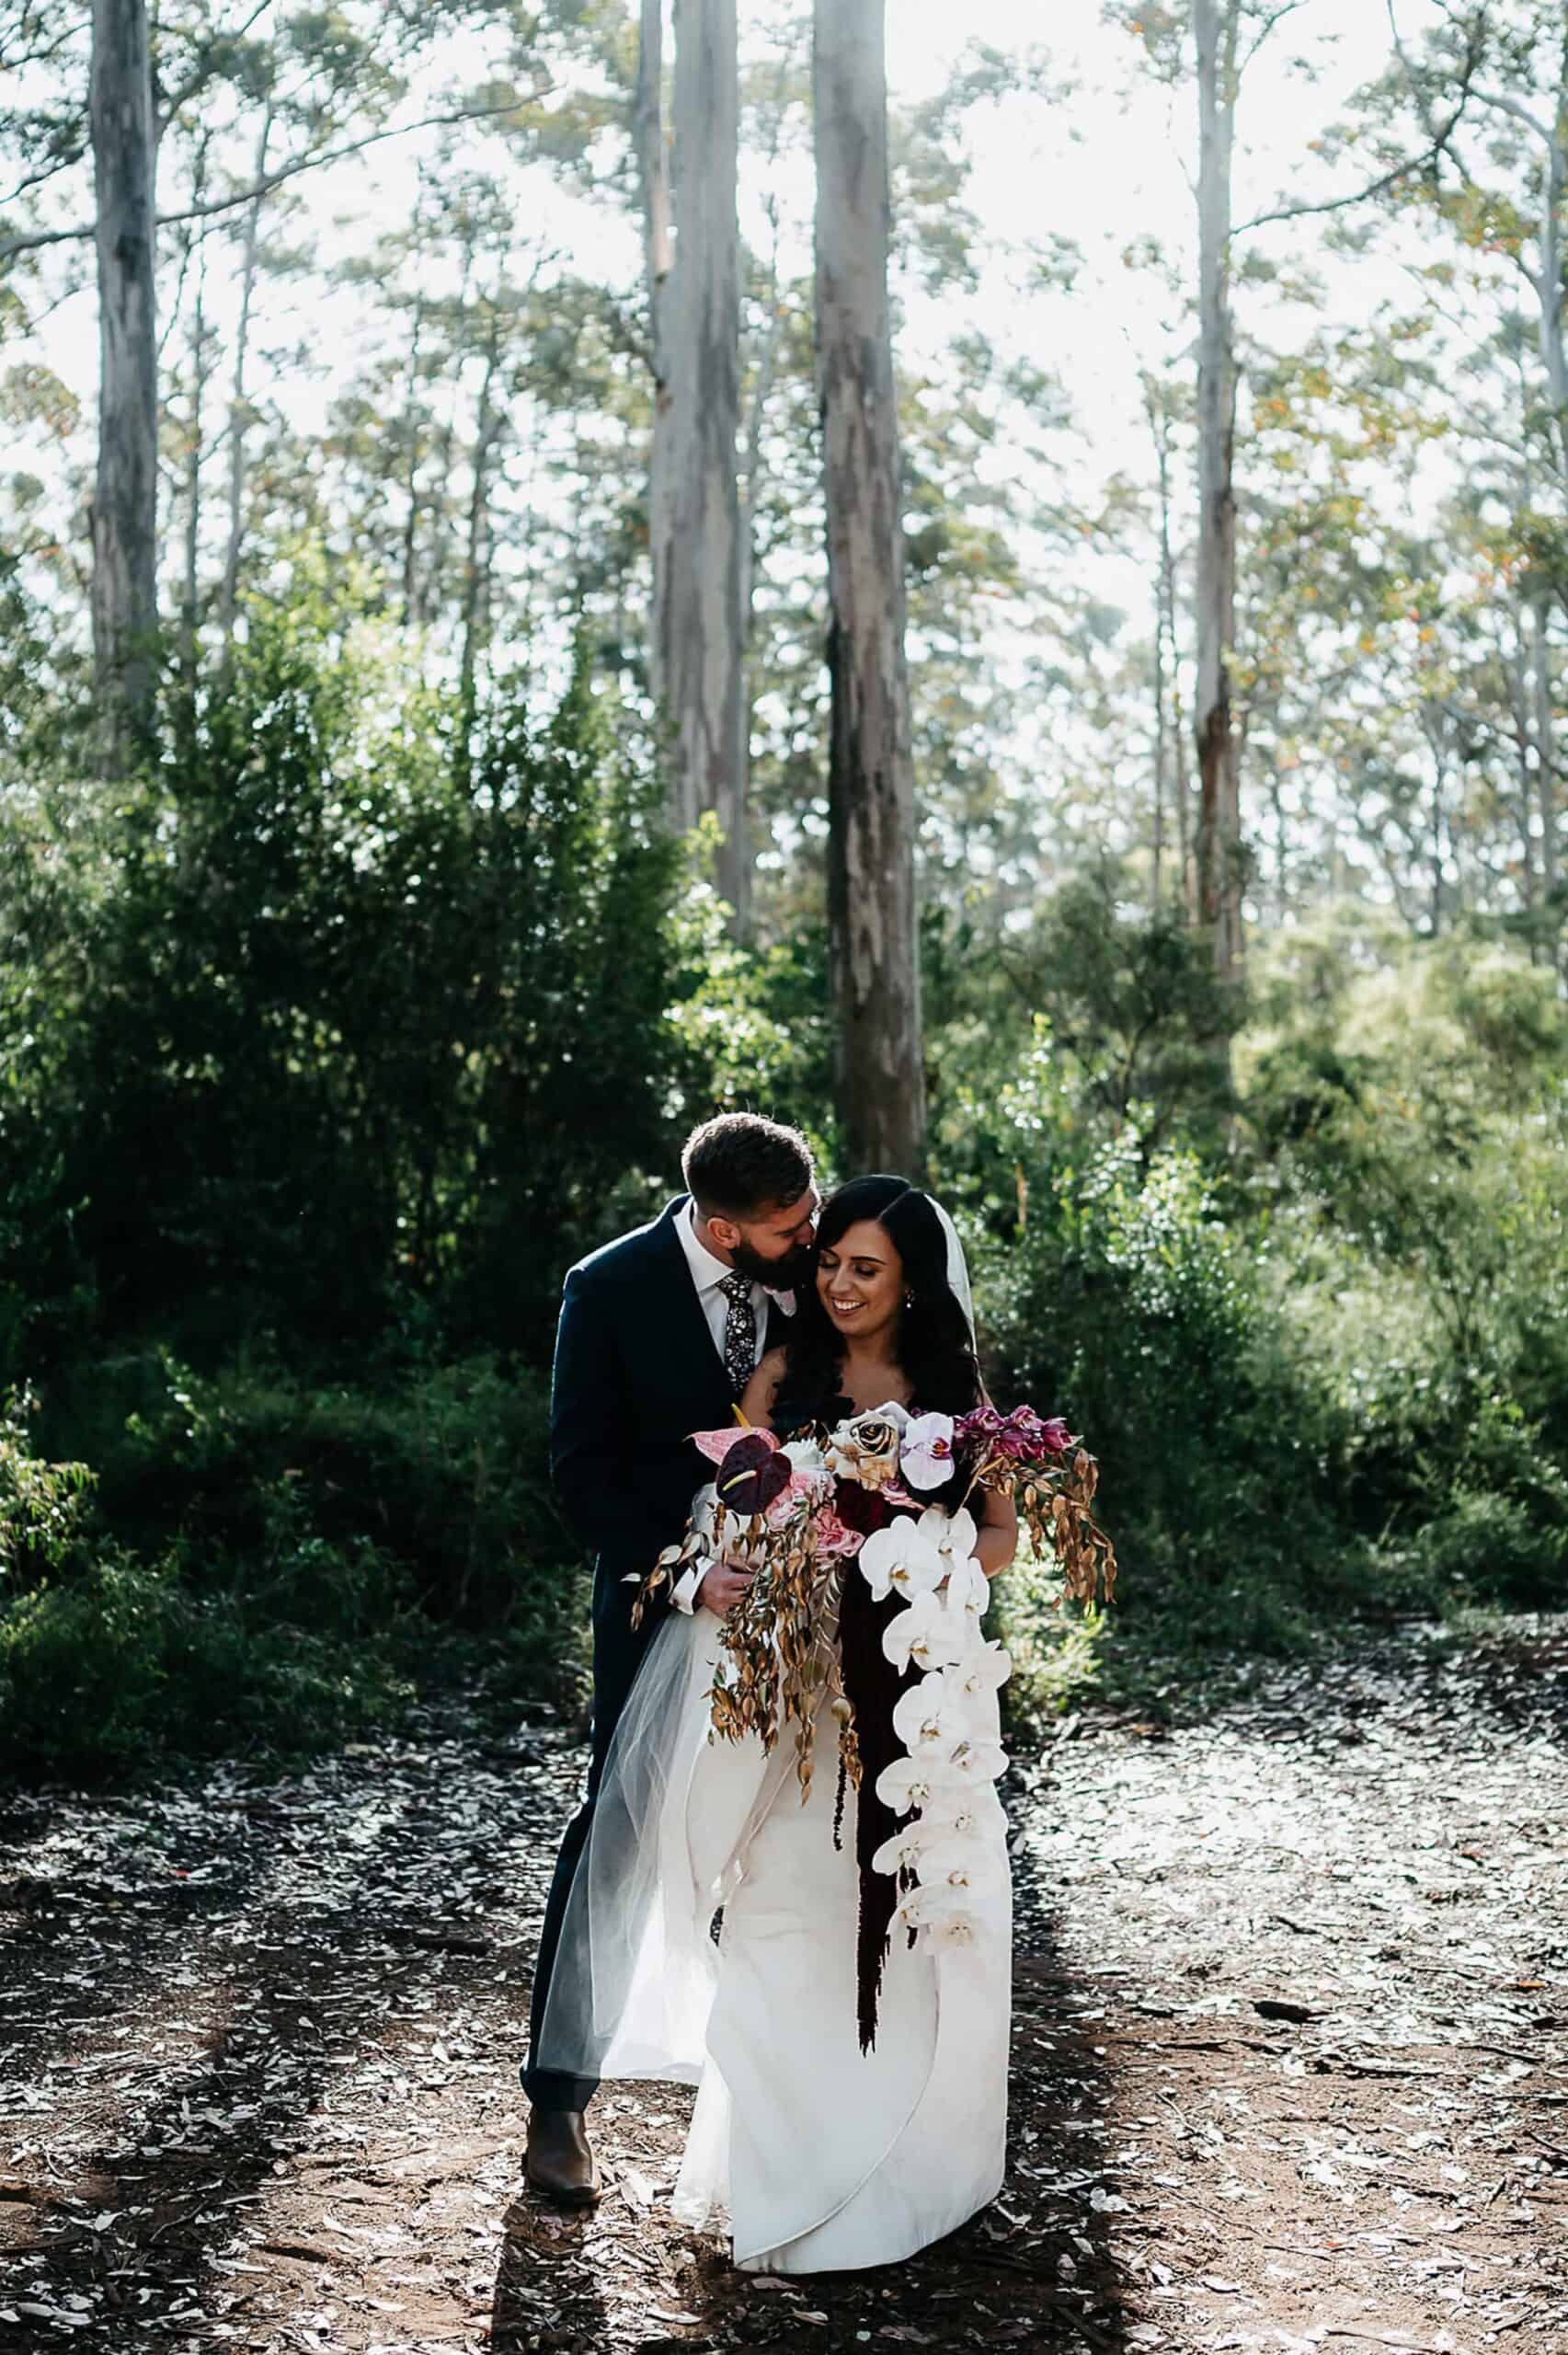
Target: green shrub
<point>269,1565</point>
<point>1056,1649</point>
<point>1484,1547</point>
<point>1131,1306</point>
<point>1410,1120</point>
<point>43,1506</point>
<point>320,1022</point>
<point>125,1669</point>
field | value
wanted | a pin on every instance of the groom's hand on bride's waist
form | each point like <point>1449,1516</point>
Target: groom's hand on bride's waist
<point>721,1586</point>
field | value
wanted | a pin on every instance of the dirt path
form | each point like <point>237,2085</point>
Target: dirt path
<point>1290,2064</point>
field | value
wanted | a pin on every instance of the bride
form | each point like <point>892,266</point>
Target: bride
<point>849,2043</point>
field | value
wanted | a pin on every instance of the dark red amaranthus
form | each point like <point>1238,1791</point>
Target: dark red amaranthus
<point>872,1686</point>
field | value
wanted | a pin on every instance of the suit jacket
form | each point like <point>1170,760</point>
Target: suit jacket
<point>635,1372</point>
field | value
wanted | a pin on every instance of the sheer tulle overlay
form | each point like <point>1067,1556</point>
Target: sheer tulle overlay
<point>824,2157</point>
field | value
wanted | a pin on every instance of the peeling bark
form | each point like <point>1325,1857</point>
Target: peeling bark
<point>1545,732</point>
<point>653,172</point>
<point>239,415</point>
<point>124,598</point>
<point>190,611</point>
<point>476,555</point>
<point>873,924</point>
<point>703,609</point>
<point>1220,847</point>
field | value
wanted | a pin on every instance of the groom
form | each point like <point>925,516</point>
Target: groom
<point>659,1333</point>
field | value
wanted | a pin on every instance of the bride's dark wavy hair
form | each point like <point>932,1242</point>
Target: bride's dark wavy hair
<point>935,1347</point>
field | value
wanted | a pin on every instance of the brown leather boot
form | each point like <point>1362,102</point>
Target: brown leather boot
<point>559,2162</point>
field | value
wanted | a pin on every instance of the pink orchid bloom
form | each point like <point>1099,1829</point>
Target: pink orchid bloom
<point>925,1456</point>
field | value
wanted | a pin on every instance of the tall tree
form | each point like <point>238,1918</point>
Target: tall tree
<point>705,611</point>
<point>1501,73</point>
<point>872,917</point>
<point>1219,825</point>
<point>239,408</point>
<point>651,140</point>
<point>698,633</point>
<point>125,497</point>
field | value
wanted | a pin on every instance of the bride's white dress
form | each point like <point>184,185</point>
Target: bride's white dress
<point>822,2156</point>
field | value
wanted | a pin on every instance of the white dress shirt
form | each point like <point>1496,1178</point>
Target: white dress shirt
<point>708,1275</point>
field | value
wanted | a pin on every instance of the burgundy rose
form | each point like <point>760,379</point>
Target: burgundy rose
<point>861,1510</point>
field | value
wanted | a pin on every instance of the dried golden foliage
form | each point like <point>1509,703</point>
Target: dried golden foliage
<point>1056,1503</point>
<point>780,1640</point>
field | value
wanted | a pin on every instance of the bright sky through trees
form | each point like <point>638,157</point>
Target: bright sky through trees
<point>1103,166</point>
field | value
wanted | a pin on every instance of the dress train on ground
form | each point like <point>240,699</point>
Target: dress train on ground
<point>823,2157</point>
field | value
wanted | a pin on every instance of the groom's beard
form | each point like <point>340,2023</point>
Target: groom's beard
<point>787,1274</point>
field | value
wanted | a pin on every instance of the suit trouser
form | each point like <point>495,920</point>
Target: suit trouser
<point>618,1649</point>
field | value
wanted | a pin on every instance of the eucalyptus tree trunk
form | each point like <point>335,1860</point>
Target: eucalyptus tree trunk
<point>704,603</point>
<point>1442,833</point>
<point>201,337</point>
<point>873,932</point>
<point>1552,135</point>
<point>1514,665</point>
<point>239,415</point>
<point>1554,174</point>
<point>124,598</point>
<point>477,557</point>
<point>648,138</point>
<point>1166,684</point>
<point>1545,733</point>
<point>1549,281</point>
<point>1219,832</point>
<point>413,457</point>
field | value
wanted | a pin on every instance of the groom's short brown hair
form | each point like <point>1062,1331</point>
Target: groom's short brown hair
<point>740,1165</point>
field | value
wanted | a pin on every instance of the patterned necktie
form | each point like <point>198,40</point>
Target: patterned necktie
<point>739,1332</point>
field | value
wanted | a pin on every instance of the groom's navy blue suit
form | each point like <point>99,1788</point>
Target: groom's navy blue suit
<point>636,1371</point>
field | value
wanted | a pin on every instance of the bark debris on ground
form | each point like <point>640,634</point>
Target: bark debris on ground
<point>1290,2063</point>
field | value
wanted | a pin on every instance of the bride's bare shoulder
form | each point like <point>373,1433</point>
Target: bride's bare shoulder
<point>757,1398</point>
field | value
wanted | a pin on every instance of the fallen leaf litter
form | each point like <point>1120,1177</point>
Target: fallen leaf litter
<point>1290,2056</point>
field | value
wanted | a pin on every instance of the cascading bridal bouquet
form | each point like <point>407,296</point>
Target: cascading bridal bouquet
<point>866,1588</point>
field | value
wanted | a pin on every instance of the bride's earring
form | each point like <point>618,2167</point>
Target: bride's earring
<point>908,1300</point>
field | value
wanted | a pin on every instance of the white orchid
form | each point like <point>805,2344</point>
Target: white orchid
<point>947,1852</point>
<point>902,1557</point>
<point>906,1847</point>
<point>968,1591</point>
<point>960,1810</point>
<point>925,1457</point>
<point>976,1758</point>
<point>910,1782</point>
<point>929,1717</point>
<point>946,1916</point>
<point>952,1534</point>
<point>916,1555</point>
<point>925,1635</point>
<point>974,1674</point>
<point>971,1867</point>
